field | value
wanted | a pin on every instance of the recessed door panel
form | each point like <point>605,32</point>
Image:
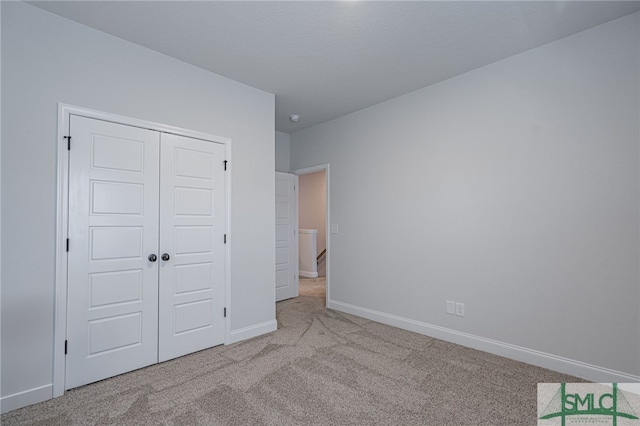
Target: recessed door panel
<point>282,279</point>
<point>117,153</point>
<point>193,316</point>
<point>116,198</point>
<point>193,239</point>
<point>120,332</point>
<point>110,288</point>
<point>193,202</point>
<point>114,242</point>
<point>282,232</point>
<point>193,277</point>
<point>282,255</point>
<point>282,210</point>
<point>192,163</point>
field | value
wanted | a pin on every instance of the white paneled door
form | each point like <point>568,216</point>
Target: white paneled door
<point>191,235</point>
<point>145,267</point>
<point>286,236</point>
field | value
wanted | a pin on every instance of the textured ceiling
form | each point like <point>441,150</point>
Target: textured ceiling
<point>323,60</point>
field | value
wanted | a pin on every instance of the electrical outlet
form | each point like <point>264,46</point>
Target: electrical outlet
<point>451,307</point>
<point>460,309</point>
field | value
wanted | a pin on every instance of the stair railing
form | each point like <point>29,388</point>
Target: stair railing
<point>320,256</point>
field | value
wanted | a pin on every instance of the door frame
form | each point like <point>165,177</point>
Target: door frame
<point>327,218</point>
<point>65,111</point>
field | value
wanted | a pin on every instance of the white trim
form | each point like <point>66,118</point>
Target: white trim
<point>60,296</point>
<point>24,398</point>
<point>313,169</point>
<point>307,274</point>
<point>227,266</point>
<point>135,122</point>
<point>552,362</point>
<point>252,331</point>
<point>296,240</point>
<point>65,111</point>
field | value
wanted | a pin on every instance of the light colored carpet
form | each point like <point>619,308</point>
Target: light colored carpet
<point>315,287</point>
<point>320,367</point>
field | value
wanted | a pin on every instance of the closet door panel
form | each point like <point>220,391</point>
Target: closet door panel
<point>192,223</point>
<point>112,312</point>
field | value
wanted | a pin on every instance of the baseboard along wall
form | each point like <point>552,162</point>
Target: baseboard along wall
<point>252,331</point>
<point>24,398</point>
<point>552,362</point>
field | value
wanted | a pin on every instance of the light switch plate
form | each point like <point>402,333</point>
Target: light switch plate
<point>451,307</point>
<point>334,228</point>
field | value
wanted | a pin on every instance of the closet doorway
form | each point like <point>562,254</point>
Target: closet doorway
<point>146,264</point>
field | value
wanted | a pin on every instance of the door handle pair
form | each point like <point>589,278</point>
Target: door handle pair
<point>153,257</point>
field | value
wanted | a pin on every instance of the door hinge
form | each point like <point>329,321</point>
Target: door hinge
<point>66,346</point>
<point>225,312</point>
<point>68,138</point>
<point>67,244</point>
<point>225,164</point>
<point>225,238</point>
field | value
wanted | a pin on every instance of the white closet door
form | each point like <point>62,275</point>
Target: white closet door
<point>286,238</point>
<point>192,224</point>
<point>112,311</point>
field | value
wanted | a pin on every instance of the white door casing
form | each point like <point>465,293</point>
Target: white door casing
<point>112,286</point>
<point>133,193</point>
<point>192,223</point>
<point>286,236</point>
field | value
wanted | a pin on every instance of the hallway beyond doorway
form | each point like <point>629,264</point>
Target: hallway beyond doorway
<point>313,287</point>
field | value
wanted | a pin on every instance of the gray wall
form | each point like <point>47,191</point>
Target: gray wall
<point>47,59</point>
<point>513,188</point>
<point>283,147</point>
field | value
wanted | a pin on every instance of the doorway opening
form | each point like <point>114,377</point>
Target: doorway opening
<point>313,220</point>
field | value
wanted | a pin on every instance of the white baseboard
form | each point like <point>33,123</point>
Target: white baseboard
<point>308,274</point>
<point>28,397</point>
<point>44,393</point>
<point>518,353</point>
<point>252,331</point>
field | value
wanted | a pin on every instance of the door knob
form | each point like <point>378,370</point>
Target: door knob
<point>153,258</point>
<point>165,256</point>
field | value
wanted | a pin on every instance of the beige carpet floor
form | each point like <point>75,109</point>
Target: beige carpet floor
<point>321,367</point>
